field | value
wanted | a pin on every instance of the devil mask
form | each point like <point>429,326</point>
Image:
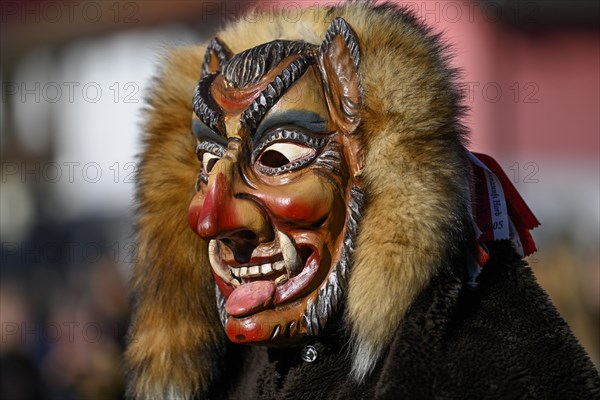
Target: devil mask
<point>278,193</point>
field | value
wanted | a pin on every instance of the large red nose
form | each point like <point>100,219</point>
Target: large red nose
<point>229,216</point>
<point>217,215</point>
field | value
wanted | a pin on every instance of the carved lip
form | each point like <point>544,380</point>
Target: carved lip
<point>293,288</point>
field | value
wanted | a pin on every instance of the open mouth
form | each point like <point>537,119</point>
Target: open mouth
<point>263,283</point>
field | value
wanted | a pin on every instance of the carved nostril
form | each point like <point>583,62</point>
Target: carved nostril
<point>246,235</point>
<point>242,243</point>
<point>241,253</point>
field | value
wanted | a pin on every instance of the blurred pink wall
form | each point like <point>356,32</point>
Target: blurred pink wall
<point>530,92</point>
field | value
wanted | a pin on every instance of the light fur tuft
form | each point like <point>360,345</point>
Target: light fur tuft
<point>175,339</point>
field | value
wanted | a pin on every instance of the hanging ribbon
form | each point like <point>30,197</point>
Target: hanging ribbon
<point>497,209</point>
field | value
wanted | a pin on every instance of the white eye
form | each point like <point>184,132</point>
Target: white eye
<point>208,162</point>
<point>281,154</point>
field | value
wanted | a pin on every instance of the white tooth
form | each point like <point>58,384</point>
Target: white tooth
<point>279,265</point>
<point>266,268</point>
<point>253,270</point>
<point>215,262</point>
<point>244,271</point>
<point>290,254</point>
<point>235,271</point>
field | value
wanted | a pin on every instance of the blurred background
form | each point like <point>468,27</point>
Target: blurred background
<point>74,76</point>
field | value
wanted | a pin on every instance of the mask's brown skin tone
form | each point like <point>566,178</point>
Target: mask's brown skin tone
<point>243,208</point>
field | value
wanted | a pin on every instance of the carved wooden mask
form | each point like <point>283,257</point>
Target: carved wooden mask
<point>279,192</point>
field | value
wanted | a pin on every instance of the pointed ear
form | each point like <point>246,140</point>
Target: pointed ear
<point>339,59</point>
<point>216,55</point>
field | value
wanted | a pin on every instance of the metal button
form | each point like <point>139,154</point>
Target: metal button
<point>308,354</point>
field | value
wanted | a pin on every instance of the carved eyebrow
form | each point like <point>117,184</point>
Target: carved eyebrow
<point>253,115</point>
<point>308,120</point>
<point>205,108</point>
<point>204,133</point>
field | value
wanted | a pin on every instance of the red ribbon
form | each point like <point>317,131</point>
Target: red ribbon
<point>519,214</point>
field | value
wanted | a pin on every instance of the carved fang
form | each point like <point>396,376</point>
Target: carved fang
<point>292,259</point>
<point>281,280</point>
<point>215,262</point>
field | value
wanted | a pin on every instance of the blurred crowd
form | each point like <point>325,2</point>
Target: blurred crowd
<point>63,310</point>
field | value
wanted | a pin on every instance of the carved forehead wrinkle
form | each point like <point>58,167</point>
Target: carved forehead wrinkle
<point>233,102</point>
<point>274,85</point>
<point>249,66</point>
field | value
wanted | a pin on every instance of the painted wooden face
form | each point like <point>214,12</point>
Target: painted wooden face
<point>278,171</point>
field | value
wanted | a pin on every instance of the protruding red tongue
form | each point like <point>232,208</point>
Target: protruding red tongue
<point>250,298</point>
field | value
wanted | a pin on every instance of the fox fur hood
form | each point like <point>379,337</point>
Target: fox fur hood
<point>415,216</point>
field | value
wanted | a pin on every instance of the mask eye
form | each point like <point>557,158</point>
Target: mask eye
<point>208,162</point>
<point>280,157</point>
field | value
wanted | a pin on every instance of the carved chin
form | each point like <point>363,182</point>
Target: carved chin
<point>276,303</point>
